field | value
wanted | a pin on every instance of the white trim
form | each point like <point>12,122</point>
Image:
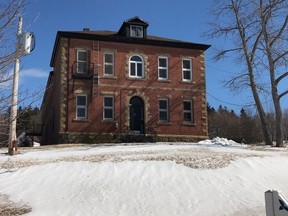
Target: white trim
<point>189,111</point>
<point>81,106</point>
<point>187,69</point>
<point>164,110</point>
<point>108,63</point>
<point>108,107</point>
<point>163,68</point>
<point>138,29</point>
<point>81,61</point>
<point>136,68</point>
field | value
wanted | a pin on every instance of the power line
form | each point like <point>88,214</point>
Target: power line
<point>225,71</point>
<point>232,104</point>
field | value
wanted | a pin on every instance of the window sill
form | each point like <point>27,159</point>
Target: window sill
<point>164,80</point>
<point>187,82</point>
<point>81,120</point>
<point>164,123</point>
<point>191,124</point>
<point>109,77</point>
<point>108,120</point>
<point>136,78</point>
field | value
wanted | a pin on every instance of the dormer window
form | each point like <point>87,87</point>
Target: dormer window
<point>134,27</point>
<point>136,31</point>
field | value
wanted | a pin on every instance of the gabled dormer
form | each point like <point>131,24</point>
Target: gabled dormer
<point>134,27</point>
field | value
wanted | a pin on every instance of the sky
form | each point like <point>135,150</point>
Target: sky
<point>185,20</point>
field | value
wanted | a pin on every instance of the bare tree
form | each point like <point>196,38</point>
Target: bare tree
<point>259,44</point>
<point>274,20</point>
<point>285,125</point>
<point>10,10</point>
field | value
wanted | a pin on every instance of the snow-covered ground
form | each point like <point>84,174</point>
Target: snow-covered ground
<point>210,178</point>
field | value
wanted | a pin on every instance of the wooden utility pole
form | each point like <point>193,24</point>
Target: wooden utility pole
<point>12,145</point>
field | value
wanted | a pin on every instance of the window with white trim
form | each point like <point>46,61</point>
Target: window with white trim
<point>162,68</point>
<point>82,61</point>
<point>163,110</point>
<point>81,107</point>
<point>136,67</point>
<point>188,111</point>
<point>187,70</point>
<point>109,64</point>
<point>108,108</point>
<point>136,31</point>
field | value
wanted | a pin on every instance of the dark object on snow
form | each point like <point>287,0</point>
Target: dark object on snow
<point>27,141</point>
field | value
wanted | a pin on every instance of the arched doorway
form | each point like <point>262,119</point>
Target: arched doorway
<point>136,115</point>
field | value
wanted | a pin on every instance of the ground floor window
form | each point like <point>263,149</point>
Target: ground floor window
<point>188,111</point>
<point>81,107</point>
<point>108,108</point>
<point>163,110</point>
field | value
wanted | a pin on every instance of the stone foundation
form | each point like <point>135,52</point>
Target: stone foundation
<point>90,138</point>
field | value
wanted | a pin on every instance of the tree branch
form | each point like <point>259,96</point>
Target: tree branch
<point>280,56</point>
<point>282,29</point>
<point>281,77</point>
<point>283,94</point>
<point>221,54</point>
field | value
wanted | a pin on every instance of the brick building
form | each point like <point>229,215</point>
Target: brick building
<point>122,86</point>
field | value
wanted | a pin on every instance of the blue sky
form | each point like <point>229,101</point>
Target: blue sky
<point>184,20</point>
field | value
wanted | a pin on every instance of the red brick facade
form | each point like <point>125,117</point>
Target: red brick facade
<point>112,101</point>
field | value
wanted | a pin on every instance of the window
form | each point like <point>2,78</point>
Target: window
<point>136,31</point>
<point>188,111</point>
<point>136,67</point>
<point>163,68</point>
<point>82,59</point>
<point>109,64</point>
<point>108,108</point>
<point>81,107</point>
<point>187,69</point>
<point>163,110</point>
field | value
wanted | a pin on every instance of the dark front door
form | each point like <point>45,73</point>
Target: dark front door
<point>136,115</point>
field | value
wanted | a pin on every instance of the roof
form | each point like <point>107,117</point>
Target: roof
<point>113,36</point>
<point>136,19</point>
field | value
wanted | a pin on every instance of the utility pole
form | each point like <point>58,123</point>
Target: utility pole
<point>12,145</point>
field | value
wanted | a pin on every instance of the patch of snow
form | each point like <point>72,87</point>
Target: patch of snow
<point>220,141</point>
<point>36,144</point>
<point>130,180</point>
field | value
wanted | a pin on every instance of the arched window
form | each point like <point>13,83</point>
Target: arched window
<point>136,67</point>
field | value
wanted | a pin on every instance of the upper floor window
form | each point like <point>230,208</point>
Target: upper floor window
<point>136,67</point>
<point>187,69</point>
<point>163,68</point>
<point>188,111</point>
<point>82,61</point>
<point>109,64</point>
<point>81,107</point>
<point>108,108</point>
<point>136,31</point>
<point>163,110</point>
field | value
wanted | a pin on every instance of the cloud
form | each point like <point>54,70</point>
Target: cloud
<point>25,73</point>
<point>34,73</point>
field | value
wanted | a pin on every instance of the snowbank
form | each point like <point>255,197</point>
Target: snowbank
<point>220,141</point>
<point>129,181</point>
